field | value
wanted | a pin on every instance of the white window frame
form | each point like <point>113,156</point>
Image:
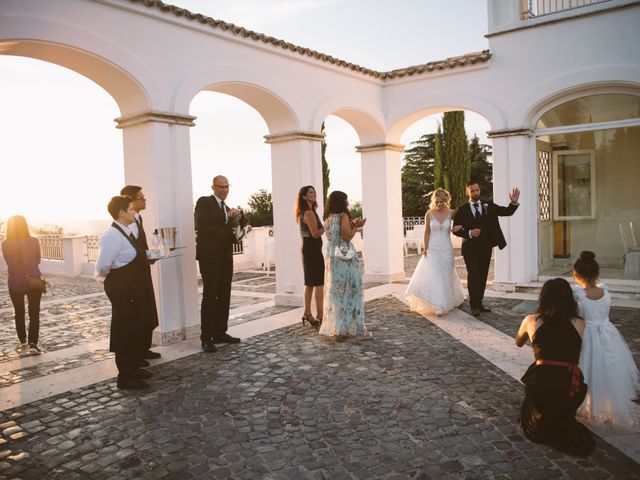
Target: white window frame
<point>556,200</point>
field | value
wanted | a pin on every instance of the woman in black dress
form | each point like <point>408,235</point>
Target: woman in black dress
<point>554,386</point>
<point>311,231</point>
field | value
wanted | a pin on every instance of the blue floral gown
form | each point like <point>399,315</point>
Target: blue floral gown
<point>343,299</point>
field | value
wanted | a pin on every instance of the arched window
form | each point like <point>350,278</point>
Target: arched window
<point>601,108</point>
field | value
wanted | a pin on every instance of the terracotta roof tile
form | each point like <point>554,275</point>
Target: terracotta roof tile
<point>453,62</point>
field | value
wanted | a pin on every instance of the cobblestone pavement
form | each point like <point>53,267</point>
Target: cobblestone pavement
<point>75,311</point>
<point>410,403</point>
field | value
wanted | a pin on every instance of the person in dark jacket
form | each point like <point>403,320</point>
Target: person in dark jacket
<point>480,232</point>
<point>21,252</point>
<point>214,222</point>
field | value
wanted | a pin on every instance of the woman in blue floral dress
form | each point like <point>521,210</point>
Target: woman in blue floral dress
<point>343,299</point>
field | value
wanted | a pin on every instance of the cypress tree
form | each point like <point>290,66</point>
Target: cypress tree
<point>438,166</point>
<point>325,169</point>
<point>456,155</point>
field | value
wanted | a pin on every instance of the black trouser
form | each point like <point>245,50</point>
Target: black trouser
<point>33,297</point>
<point>477,259</point>
<point>127,363</point>
<point>216,274</point>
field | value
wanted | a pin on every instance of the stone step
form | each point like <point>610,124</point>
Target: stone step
<point>624,292</point>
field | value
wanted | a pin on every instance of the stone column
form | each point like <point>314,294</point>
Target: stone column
<point>157,158</point>
<point>382,205</point>
<point>74,255</point>
<point>296,160</point>
<point>514,165</point>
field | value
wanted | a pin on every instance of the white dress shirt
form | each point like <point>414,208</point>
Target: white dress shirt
<point>473,207</point>
<point>115,251</point>
<point>473,211</point>
<point>134,226</point>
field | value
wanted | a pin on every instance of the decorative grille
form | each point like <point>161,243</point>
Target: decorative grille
<point>92,243</point>
<point>544,185</point>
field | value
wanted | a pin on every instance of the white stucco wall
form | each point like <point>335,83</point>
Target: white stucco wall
<point>153,63</point>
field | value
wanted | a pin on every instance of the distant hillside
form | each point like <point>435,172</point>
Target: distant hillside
<point>71,227</point>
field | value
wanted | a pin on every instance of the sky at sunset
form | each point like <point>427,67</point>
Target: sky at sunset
<point>62,156</point>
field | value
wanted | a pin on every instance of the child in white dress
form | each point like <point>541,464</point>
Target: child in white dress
<point>606,361</point>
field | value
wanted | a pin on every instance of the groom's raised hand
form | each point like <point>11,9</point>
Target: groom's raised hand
<point>514,196</point>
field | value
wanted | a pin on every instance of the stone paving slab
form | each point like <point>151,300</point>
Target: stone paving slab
<point>411,403</point>
<point>507,314</point>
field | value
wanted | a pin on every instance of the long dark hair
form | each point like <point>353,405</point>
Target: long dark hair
<point>586,266</point>
<point>336,203</point>
<point>17,227</point>
<point>556,302</point>
<point>301,204</point>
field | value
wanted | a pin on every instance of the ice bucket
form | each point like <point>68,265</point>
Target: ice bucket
<point>165,239</point>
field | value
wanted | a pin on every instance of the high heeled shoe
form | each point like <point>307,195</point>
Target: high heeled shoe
<point>308,318</point>
<point>318,323</point>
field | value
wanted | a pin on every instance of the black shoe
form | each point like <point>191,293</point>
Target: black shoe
<point>225,338</point>
<point>140,362</point>
<point>208,346</point>
<point>132,384</point>
<point>141,373</point>
<point>475,312</point>
<point>484,309</point>
<point>149,355</point>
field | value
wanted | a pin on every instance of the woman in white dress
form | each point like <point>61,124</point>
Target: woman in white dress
<point>435,286</point>
<point>605,358</point>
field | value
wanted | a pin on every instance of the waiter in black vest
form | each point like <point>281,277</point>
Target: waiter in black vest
<point>139,204</point>
<point>480,233</point>
<point>123,267</point>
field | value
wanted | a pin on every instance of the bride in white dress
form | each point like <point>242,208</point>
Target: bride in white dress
<point>435,286</point>
<point>605,358</point>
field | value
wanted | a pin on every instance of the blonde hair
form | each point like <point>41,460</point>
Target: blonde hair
<point>440,194</point>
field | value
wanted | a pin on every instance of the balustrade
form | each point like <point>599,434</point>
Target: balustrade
<point>538,8</point>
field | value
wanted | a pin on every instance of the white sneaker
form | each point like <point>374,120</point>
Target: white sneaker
<point>22,347</point>
<point>34,350</point>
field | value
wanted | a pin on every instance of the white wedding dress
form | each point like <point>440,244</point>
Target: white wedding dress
<point>606,363</point>
<point>435,285</point>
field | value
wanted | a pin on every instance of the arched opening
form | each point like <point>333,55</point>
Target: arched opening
<point>420,177</point>
<point>345,130</point>
<point>233,119</point>
<point>588,170</point>
<point>62,155</point>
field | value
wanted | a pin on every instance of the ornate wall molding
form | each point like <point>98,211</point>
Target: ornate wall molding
<point>394,147</point>
<point>155,116</point>
<point>294,135</point>
<point>510,132</point>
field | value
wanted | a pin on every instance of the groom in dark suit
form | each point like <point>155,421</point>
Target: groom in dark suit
<point>480,233</point>
<point>214,251</point>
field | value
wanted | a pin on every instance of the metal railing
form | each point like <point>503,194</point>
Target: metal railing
<point>410,222</point>
<point>538,8</point>
<point>51,246</point>
<point>92,246</point>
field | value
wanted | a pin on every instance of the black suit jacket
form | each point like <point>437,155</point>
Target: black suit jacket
<point>491,231</point>
<point>213,237</point>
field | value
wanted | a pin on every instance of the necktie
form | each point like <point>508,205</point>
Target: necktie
<point>477,205</point>
<point>224,209</point>
<point>132,236</point>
